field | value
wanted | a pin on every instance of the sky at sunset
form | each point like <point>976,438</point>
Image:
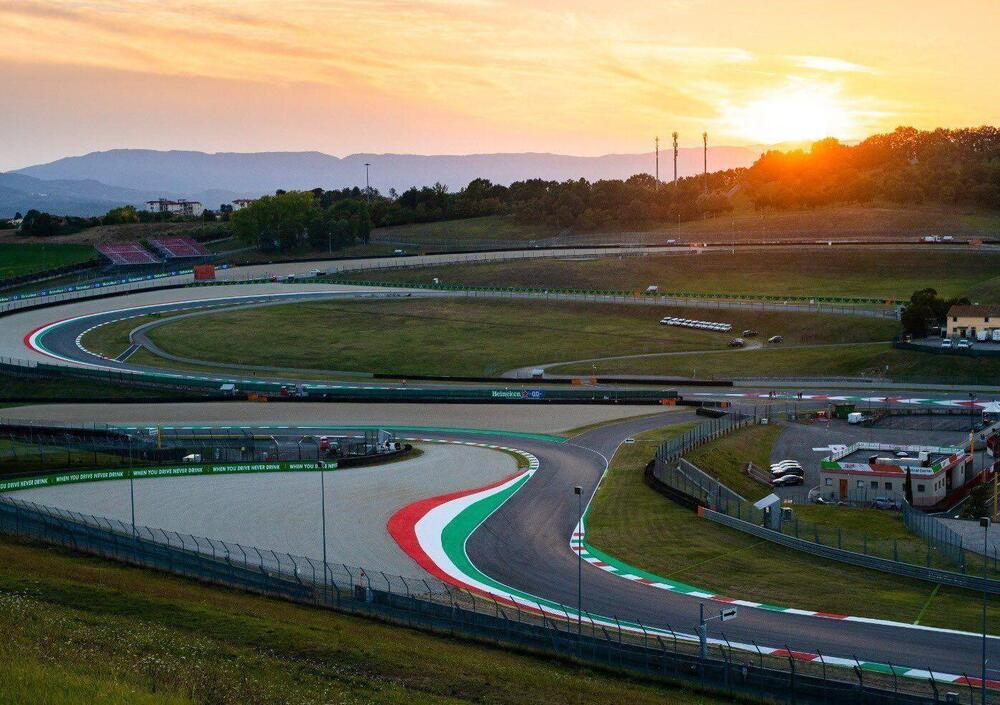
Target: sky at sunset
<point>461,76</point>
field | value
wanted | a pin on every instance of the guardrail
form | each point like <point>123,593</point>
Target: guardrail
<point>750,302</point>
<point>933,575</point>
<point>333,391</point>
<point>430,605</point>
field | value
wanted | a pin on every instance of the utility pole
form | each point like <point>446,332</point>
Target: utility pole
<point>322,499</point>
<point>985,523</point>
<point>578,542</point>
<point>657,142</point>
<point>675,160</point>
<point>368,188</point>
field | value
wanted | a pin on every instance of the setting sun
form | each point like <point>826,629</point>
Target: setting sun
<point>796,113</point>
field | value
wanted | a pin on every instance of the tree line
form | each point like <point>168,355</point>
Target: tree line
<point>906,166</point>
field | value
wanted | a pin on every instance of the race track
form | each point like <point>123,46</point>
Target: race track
<point>522,544</point>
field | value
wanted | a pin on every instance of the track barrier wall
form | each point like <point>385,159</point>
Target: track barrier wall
<point>430,605</point>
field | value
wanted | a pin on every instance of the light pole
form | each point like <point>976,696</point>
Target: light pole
<point>985,523</point>
<point>131,499</point>
<point>322,494</point>
<point>368,188</point>
<point>578,491</point>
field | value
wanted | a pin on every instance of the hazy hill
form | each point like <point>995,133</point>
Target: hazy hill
<point>192,174</point>
<point>19,192</point>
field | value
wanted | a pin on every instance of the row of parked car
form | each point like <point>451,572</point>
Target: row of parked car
<point>787,472</point>
<point>700,325</point>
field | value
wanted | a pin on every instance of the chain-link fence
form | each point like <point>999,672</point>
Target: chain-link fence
<point>933,552</point>
<point>29,448</point>
<point>783,675</point>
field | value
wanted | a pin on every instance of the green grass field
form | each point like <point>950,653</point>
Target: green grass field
<point>79,629</point>
<point>456,336</point>
<point>642,527</point>
<point>459,233</point>
<point>43,389</point>
<point>18,259</point>
<point>868,360</point>
<point>724,458</point>
<point>881,274</point>
<point>887,222</point>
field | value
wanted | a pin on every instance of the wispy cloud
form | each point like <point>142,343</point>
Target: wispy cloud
<point>830,64</point>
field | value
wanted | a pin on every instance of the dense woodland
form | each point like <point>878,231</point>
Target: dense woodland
<point>906,167</point>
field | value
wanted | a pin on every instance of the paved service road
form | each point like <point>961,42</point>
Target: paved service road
<point>282,511</point>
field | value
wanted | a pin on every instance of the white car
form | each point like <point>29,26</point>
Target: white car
<point>783,463</point>
<point>787,480</point>
<point>946,343</point>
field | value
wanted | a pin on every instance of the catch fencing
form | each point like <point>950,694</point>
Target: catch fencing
<point>934,554</point>
<point>29,448</point>
<point>428,604</point>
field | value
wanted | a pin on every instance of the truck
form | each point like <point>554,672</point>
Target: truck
<point>855,417</point>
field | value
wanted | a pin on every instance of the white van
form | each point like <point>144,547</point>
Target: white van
<point>855,417</point>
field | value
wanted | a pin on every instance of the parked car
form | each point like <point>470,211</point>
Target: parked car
<point>315,272</point>
<point>736,343</point>
<point>781,472</point>
<point>946,343</point>
<point>784,463</point>
<point>775,339</point>
<point>964,344</point>
<point>885,503</point>
<point>749,333</point>
<point>787,480</point>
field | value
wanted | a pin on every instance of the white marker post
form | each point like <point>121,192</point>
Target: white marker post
<point>724,616</point>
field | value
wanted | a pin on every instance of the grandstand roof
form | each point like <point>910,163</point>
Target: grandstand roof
<point>178,247</point>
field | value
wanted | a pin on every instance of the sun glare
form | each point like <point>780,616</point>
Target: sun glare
<point>796,113</point>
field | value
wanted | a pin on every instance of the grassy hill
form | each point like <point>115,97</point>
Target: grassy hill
<point>833,222</point>
<point>878,273</point>
<point>79,629</point>
<point>19,259</point>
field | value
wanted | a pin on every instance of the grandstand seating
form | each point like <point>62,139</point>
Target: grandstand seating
<point>127,253</point>
<point>178,247</point>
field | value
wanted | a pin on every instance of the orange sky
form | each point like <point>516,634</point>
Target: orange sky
<point>457,76</point>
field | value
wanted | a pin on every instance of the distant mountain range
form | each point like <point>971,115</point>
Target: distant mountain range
<point>93,183</point>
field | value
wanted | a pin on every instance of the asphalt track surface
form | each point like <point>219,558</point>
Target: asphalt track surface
<point>282,511</point>
<point>525,543</point>
<point>52,334</point>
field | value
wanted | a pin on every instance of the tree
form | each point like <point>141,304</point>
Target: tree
<point>120,216</point>
<point>926,309</point>
<point>39,224</point>
<point>281,221</point>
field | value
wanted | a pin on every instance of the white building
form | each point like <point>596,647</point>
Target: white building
<point>241,203</point>
<point>182,207</point>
